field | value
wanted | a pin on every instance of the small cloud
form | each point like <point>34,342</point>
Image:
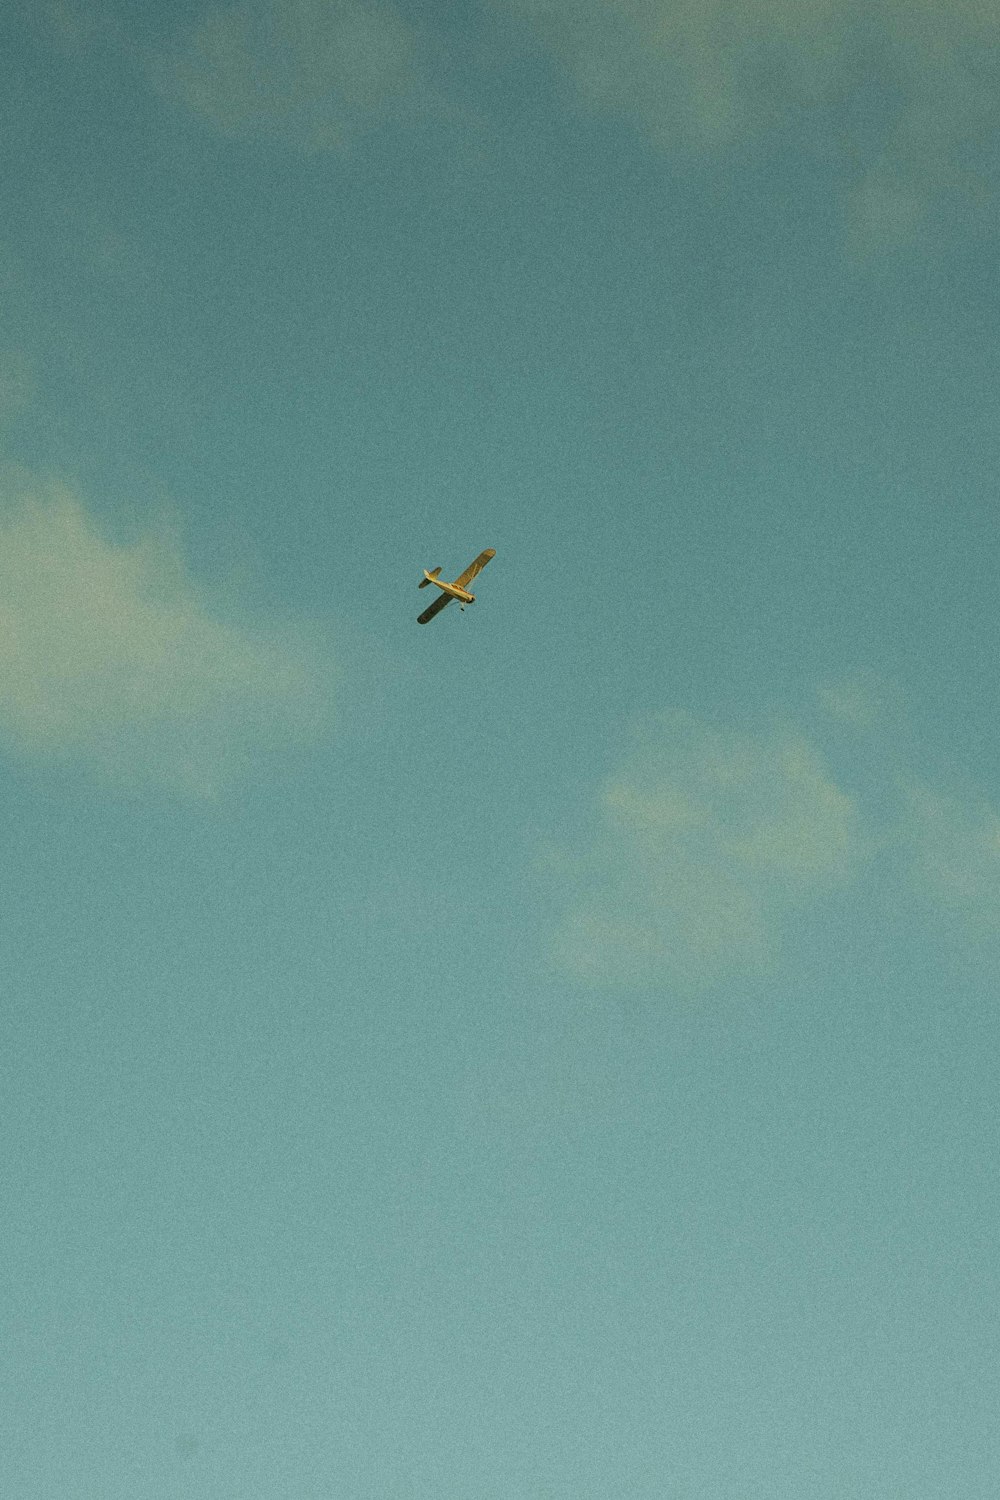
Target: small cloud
<point>313,71</point>
<point>884,209</point>
<point>112,655</point>
<point>865,702</point>
<point>12,275</point>
<point>952,843</point>
<point>71,25</point>
<point>914,83</point>
<point>76,28</point>
<point>706,841</point>
<point>17,382</point>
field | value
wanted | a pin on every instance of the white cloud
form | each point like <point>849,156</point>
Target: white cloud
<point>313,71</point>
<point>902,90</point>
<point>706,841</point>
<point>111,654</point>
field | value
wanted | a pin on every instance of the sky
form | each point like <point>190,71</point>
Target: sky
<point>552,1053</point>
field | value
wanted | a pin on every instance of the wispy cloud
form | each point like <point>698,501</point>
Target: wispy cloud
<point>952,842</point>
<point>110,653</point>
<point>316,72</point>
<point>705,842</point>
<point>17,382</point>
<point>71,24</point>
<point>904,91</point>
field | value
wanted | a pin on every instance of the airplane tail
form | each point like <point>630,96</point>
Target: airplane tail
<point>427,578</point>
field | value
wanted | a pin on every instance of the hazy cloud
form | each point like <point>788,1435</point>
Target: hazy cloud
<point>952,842</point>
<point>17,382</point>
<point>72,24</point>
<point>865,702</point>
<point>705,842</point>
<point>903,92</point>
<point>315,71</point>
<point>111,653</point>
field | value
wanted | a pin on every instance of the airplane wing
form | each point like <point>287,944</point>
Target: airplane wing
<point>441,602</point>
<point>475,567</point>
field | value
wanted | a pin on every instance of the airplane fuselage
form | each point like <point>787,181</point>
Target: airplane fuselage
<point>451,588</point>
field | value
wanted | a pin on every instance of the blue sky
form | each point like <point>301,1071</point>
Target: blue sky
<point>553,1053</point>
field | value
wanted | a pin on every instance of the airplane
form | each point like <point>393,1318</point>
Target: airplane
<point>456,590</point>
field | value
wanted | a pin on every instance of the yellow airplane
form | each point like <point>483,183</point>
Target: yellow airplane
<point>456,590</point>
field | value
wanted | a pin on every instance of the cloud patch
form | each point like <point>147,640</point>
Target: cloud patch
<point>111,654</point>
<point>706,839</point>
<point>952,844</point>
<point>706,844</point>
<point>906,92</point>
<point>316,72</point>
<point>17,382</point>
